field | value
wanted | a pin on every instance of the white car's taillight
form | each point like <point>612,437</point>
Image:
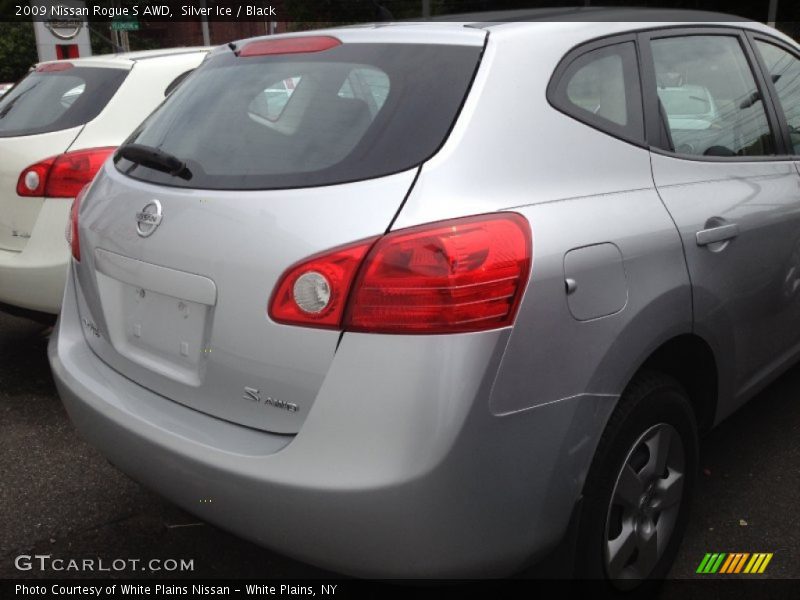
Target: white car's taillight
<point>62,176</point>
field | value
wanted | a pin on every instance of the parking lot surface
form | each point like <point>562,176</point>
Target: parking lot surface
<point>60,497</point>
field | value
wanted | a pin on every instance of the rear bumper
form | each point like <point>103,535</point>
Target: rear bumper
<point>400,470</point>
<point>34,278</point>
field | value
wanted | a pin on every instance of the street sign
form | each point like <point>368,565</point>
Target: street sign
<point>131,25</point>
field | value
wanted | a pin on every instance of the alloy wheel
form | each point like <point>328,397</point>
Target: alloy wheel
<point>644,505</point>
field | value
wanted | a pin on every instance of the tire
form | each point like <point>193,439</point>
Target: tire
<point>633,518</point>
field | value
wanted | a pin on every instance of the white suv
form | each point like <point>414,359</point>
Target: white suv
<point>56,129</point>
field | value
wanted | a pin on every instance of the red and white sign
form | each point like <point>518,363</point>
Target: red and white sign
<point>66,37</point>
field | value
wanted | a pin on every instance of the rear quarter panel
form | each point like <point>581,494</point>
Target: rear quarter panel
<point>512,150</point>
<point>577,186</point>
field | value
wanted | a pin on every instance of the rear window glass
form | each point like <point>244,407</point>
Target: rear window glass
<point>354,112</point>
<point>52,101</point>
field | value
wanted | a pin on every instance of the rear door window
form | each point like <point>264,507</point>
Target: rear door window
<point>784,70</point>
<point>353,112</point>
<point>710,100</point>
<point>46,101</point>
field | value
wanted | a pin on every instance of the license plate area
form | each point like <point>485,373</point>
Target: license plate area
<point>167,333</point>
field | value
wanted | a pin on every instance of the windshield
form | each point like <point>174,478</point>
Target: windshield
<point>353,112</point>
<point>52,101</point>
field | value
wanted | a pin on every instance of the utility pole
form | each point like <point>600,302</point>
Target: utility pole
<point>115,40</point>
<point>126,42</point>
<point>120,38</point>
<point>204,26</point>
<point>772,14</point>
<point>426,9</point>
<point>115,37</point>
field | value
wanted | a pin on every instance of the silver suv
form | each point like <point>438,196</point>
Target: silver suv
<point>456,294</point>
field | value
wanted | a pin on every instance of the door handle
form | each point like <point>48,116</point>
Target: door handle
<point>717,234</point>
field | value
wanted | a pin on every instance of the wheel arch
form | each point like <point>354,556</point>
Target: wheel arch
<point>690,360</point>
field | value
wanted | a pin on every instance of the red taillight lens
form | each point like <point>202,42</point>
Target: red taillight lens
<point>454,276</point>
<point>73,239</point>
<point>460,275</point>
<point>314,292</point>
<point>62,176</point>
<point>295,45</point>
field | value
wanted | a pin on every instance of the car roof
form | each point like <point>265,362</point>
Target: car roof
<point>590,21</point>
<point>589,24</point>
<point>600,15</point>
<point>126,60</point>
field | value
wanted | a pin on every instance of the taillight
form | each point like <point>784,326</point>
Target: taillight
<point>314,292</point>
<point>461,275</point>
<point>73,239</point>
<point>62,176</point>
<point>293,45</point>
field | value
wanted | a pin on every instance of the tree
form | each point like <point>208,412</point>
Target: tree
<point>17,50</point>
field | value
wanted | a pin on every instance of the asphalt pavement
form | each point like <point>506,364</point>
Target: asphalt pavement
<point>59,497</point>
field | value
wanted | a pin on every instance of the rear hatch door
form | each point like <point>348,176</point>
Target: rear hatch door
<point>284,156</point>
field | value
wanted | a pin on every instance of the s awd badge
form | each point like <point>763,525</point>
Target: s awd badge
<point>254,395</point>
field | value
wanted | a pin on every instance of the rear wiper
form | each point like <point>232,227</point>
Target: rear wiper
<point>7,108</point>
<point>154,158</point>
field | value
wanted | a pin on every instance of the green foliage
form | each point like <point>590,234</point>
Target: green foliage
<point>17,50</point>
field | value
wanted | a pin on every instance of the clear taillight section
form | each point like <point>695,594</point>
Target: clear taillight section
<point>62,176</point>
<point>33,180</point>
<point>454,276</point>
<point>314,292</point>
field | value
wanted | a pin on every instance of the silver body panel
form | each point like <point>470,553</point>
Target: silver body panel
<point>205,353</point>
<point>385,472</point>
<point>744,294</point>
<point>425,455</point>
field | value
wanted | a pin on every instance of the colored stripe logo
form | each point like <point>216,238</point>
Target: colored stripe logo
<point>734,563</point>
